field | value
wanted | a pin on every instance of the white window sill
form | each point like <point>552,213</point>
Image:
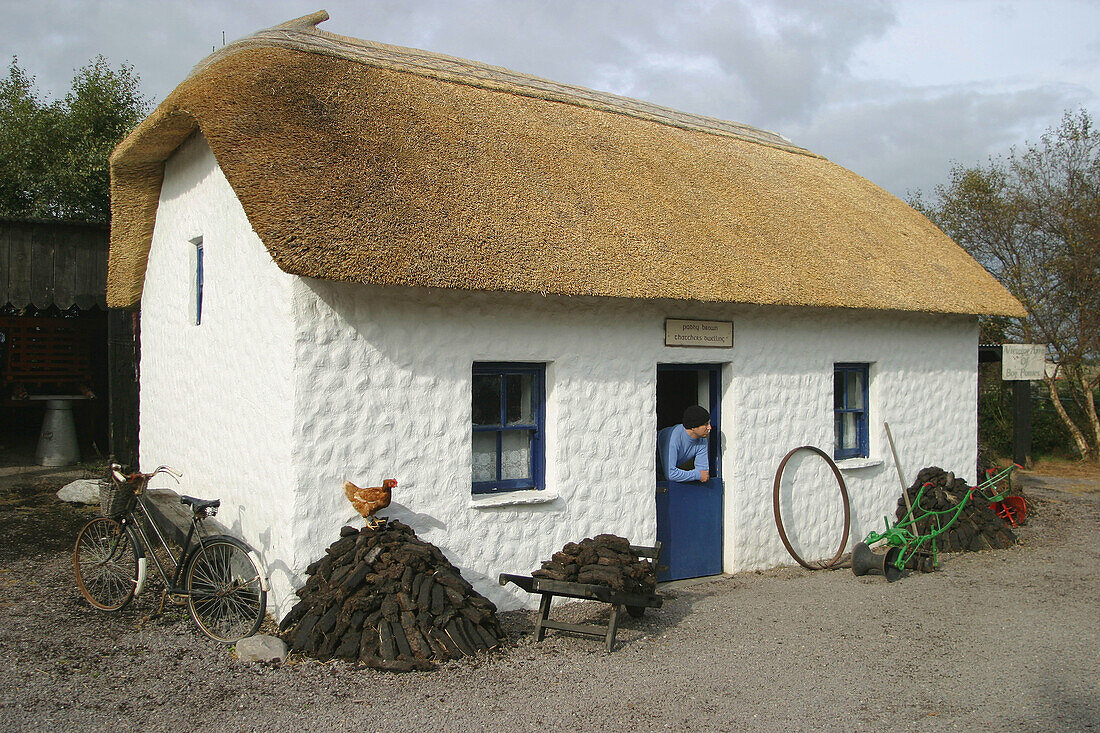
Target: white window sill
<point>512,498</point>
<point>849,464</point>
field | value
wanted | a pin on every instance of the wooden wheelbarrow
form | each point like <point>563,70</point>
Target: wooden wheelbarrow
<point>635,603</point>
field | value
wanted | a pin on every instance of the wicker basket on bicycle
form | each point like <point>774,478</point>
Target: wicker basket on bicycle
<point>115,498</point>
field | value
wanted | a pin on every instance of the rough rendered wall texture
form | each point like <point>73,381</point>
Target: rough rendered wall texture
<point>216,398</point>
<point>383,389</point>
<point>383,380</point>
<point>923,382</point>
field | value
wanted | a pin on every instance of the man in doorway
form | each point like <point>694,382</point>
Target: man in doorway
<point>686,444</point>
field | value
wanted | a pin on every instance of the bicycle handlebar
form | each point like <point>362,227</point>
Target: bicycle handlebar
<point>116,471</point>
<point>166,469</point>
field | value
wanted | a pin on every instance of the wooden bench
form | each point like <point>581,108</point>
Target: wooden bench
<point>635,603</point>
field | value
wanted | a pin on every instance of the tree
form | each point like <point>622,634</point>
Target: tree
<point>22,122</point>
<point>54,155</point>
<point>1032,218</point>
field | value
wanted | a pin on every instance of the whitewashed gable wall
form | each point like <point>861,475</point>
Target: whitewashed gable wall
<point>217,398</point>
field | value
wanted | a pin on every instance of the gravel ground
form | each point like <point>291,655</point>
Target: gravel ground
<point>999,640</point>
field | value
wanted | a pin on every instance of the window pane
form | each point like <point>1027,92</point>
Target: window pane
<point>853,389</point>
<point>518,398</point>
<point>486,405</point>
<point>849,431</point>
<point>516,457</point>
<point>198,282</point>
<point>485,457</point>
<point>838,390</point>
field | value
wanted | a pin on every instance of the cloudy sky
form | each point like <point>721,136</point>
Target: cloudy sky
<point>896,91</point>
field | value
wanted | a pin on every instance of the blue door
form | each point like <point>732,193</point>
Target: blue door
<point>689,515</point>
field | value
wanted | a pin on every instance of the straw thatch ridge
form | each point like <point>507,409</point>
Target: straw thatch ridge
<point>367,163</point>
<point>301,34</point>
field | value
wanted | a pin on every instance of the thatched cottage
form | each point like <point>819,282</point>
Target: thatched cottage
<point>356,261</point>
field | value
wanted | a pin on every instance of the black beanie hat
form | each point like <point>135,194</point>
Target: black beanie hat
<point>695,416</point>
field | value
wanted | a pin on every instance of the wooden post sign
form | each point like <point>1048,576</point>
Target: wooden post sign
<point>1023,362</point>
<point>715,334</point>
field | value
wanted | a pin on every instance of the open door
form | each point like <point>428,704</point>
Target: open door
<point>689,515</point>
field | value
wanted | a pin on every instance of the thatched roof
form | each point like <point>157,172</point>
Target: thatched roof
<point>369,163</point>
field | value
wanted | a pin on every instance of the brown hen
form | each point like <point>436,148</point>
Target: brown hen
<point>369,500</point>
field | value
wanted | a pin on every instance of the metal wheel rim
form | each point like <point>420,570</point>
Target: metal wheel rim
<point>779,517</point>
<point>225,597</point>
<point>105,563</point>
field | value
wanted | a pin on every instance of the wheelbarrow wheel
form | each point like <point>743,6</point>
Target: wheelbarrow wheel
<point>635,611</point>
<point>1013,510</point>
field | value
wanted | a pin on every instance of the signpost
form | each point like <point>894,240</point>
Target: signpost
<point>715,334</point>
<point>1021,364</point>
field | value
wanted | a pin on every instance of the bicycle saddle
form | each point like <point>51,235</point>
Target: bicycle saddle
<point>198,505</point>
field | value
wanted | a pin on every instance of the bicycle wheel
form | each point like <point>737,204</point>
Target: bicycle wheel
<point>225,593</point>
<point>107,562</point>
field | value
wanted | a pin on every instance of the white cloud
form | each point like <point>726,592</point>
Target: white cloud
<point>894,90</point>
<point>911,142</point>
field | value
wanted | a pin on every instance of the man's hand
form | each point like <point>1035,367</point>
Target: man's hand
<point>704,476</point>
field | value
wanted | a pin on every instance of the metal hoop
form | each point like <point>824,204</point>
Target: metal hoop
<point>779,518</point>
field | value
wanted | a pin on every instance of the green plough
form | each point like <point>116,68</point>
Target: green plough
<point>908,546</point>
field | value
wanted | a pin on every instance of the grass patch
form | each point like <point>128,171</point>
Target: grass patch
<point>1065,468</point>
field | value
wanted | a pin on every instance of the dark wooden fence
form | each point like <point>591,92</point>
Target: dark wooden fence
<point>53,263</point>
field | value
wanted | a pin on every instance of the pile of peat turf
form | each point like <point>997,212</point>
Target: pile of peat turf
<point>385,598</point>
<point>605,559</point>
<point>977,528</point>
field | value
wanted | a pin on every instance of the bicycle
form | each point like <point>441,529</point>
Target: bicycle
<point>218,577</point>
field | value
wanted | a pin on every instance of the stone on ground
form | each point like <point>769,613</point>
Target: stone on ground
<point>82,491</point>
<point>261,648</point>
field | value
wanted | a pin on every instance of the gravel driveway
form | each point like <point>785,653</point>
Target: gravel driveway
<point>999,640</point>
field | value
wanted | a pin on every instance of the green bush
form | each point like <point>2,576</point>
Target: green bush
<point>1049,435</point>
<point>994,416</point>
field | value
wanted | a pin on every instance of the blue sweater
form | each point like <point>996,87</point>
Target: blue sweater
<point>674,447</point>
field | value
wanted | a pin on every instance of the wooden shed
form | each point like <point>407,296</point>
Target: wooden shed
<point>54,326</point>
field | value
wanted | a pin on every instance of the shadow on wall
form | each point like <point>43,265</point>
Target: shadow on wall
<point>864,519</point>
<point>279,574</point>
<point>812,507</point>
<point>419,521</point>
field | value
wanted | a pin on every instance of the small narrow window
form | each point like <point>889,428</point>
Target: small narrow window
<point>507,412</point>
<point>198,281</point>
<point>850,418</point>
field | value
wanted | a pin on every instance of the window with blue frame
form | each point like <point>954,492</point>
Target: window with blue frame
<point>508,443</point>
<point>198,280</point>
<point>850,418</point>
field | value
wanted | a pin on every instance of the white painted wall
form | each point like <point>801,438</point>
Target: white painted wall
<point>291,386</point>
<point>383,383</point>
<point>923,381</point>
<point>217,399</point>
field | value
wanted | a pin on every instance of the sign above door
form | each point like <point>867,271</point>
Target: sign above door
<point>715,334</point>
